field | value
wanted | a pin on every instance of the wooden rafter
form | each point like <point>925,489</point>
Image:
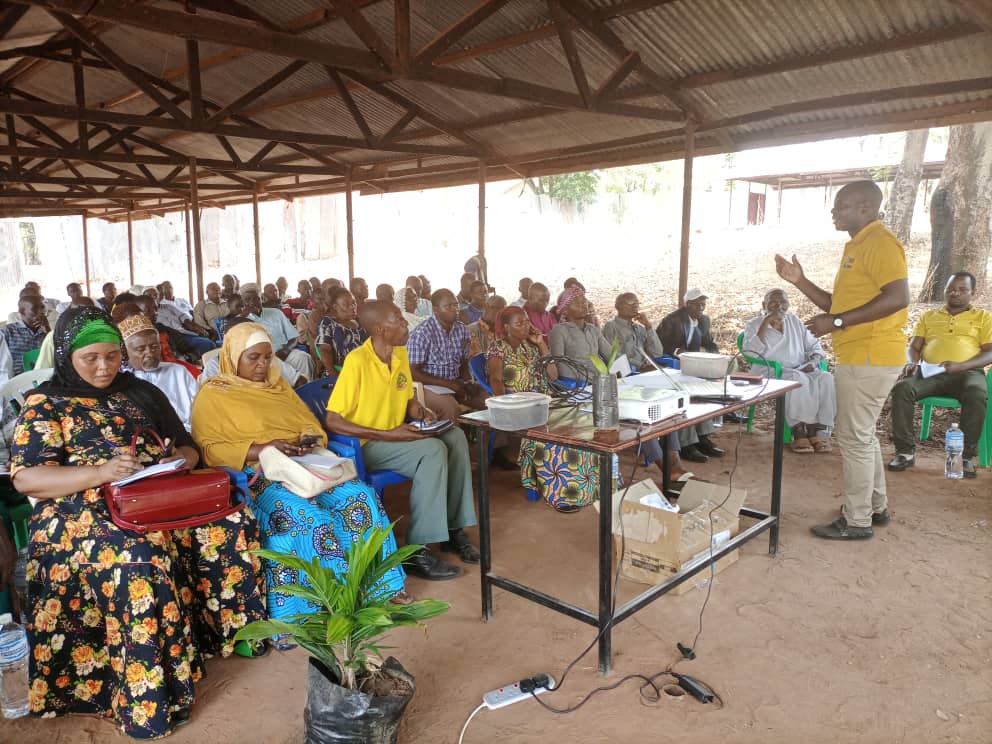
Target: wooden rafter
<point>458,29</point>
<point>353,109</point>
<point>401,32</point>
<point>259,90</point>
<point>616,78</point>
<point>352,15</point>
<point>136,75</point>
<point>571,51</point>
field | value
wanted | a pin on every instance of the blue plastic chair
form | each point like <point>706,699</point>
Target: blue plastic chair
<point>315,395</point>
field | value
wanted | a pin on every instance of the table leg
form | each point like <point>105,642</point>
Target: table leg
<point>666,468</point>
<point>485,539</point>
<point>777,457</point>
<point>605,563</point>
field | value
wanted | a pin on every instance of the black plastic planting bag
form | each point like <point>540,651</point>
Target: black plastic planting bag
<point>335,715</point>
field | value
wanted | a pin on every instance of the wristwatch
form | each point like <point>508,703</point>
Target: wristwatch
<point>838,321</point>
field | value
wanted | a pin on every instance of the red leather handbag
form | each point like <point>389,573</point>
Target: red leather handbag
<point>185,498</point>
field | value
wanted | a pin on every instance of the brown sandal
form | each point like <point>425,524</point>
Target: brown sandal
<point>821,444</point>
<point>802,447</point>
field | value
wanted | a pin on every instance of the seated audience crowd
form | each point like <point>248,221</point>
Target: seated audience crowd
<point>121,624</point>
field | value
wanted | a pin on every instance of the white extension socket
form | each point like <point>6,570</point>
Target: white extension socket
<point>503,696</point>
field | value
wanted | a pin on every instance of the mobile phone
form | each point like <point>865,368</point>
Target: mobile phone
<point>309,440</point>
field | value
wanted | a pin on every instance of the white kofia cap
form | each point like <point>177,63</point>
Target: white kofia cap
<point>694,294</point>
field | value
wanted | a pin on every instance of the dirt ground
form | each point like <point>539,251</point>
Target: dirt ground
<point>882,641</point>
<point>889,640</point>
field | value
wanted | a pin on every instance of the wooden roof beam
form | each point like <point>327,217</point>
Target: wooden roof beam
<point>136,75</point>
<point>544,31</point>
<point>457,30</point>
<point>203,28</point>
<point>259,90</point>
<point>571,51</point>
<point>929,90</point>
<point>349,102</point>
<point>843,54</point>
<point>352,16</point>
<point>404,102</point>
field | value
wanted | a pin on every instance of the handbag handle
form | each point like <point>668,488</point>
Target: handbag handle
<point>145,430</point>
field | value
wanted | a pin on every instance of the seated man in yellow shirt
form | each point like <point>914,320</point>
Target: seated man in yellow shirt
<point>958,338</point>
<point>371,399</point>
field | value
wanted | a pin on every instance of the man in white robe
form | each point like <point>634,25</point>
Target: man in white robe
<point>781,336</point>
<point>144,354</point>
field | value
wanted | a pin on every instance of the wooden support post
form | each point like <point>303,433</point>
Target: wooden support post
<point>690,148</point>
<point>258,240</point>
<point>781,193</point>
<point>130,247</point>
<point>194,196</point>
<point>482,217</point>
<point>86,255</point>
<point>350,231</point>
<point>730,204</point>
<point>189,253</point>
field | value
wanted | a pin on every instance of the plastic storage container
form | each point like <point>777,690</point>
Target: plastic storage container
<point>515,411</point>
<point>13,668</point>
<point>704,364</point>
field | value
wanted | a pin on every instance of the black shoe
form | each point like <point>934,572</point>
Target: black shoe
<point>180,717</point>
<point>968,467</point>
<point>902,462</point>
<point>426,565</point>
<point>708,448</point>
<point>878,519</point>
<point>458,542</point>
<point>692,454</point>
<point>839,529</point>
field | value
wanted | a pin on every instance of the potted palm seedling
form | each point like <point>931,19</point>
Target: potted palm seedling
<point>353,695</point>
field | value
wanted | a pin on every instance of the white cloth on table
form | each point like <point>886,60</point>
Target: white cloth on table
<point>178,385</point>
<point>816,401</point>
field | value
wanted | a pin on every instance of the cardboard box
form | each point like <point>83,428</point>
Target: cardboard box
<point>659,543</point>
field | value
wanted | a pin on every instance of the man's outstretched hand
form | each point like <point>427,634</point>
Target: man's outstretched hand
<point>791,271</point>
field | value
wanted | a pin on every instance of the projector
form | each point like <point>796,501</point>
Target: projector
<point>650,405</point>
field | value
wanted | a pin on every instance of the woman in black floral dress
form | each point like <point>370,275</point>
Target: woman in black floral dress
<point>119,623</point>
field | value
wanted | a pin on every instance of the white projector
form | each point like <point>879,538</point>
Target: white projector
<point>650,405</point>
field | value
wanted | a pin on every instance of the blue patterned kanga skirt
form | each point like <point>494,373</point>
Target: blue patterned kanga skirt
<point>324,527</point>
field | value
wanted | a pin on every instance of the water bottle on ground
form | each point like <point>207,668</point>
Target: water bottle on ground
<point>13,668</point>
<point>954,450</point>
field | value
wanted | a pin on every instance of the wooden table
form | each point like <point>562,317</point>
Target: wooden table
<point>573,428</point>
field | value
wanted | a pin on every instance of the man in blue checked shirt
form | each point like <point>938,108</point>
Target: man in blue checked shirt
<point>439,350</point>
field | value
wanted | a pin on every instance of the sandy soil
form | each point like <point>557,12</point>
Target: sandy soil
<point>882,641</point>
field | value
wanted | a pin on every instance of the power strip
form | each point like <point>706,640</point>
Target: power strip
<point>522,690</point>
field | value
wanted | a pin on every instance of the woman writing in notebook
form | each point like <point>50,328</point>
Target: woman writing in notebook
<point>120,623</point>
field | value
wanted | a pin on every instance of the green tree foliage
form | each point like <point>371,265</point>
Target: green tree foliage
<point>576,189</point>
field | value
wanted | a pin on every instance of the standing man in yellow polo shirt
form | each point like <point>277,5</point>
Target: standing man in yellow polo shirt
<point>865,313</point>
<point>371,399</point>
<point>957,339</point>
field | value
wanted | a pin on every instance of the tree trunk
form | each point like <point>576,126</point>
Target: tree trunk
<point>906,185</point>
<point>960,210</point>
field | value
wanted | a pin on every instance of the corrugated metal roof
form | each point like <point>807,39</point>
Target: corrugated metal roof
<point>502,90</point>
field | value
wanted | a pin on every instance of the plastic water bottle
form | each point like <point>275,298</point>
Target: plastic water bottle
<point>13,668</point>
<point>954,449</point>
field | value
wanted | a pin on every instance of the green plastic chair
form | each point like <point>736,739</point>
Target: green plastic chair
<point>984,442</point>
<point>30,358</point>
<point>777,369</point>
